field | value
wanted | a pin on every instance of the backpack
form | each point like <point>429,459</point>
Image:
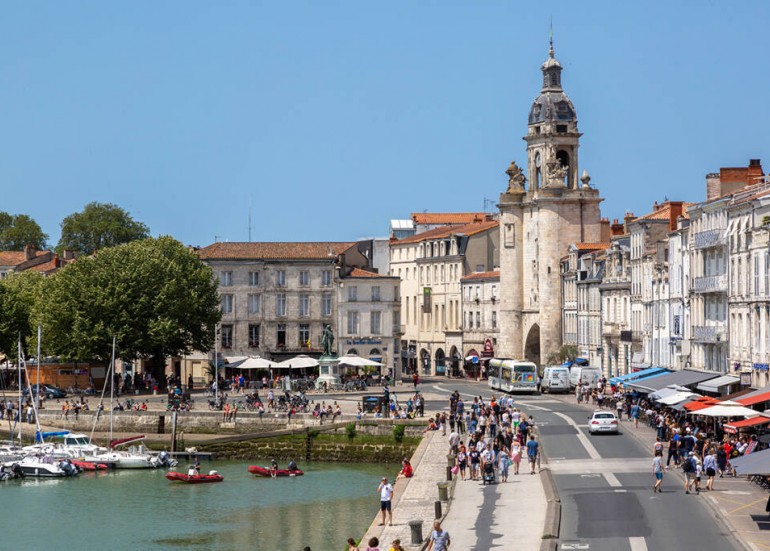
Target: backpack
<point>687,466</point>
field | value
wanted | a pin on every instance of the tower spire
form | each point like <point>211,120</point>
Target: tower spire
<point>550,40</point>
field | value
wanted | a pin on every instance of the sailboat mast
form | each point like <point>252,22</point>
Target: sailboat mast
<point>20,390</point>
<point>39,337</point>
<point>112,382</point>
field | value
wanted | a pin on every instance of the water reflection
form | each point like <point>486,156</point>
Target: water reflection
<point>142,510</point>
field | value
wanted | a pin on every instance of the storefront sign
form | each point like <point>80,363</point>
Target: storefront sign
<point>745,379</point>
<point>761,367</point>
<point>351,342</point>
<point>489,351</point>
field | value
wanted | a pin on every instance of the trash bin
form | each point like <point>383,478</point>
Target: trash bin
<point>443,491</point>
<point>416,528</point>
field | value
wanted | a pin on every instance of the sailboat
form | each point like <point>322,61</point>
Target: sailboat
<point>136,456</point>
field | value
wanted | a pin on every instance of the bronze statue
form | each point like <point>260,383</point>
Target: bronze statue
<point>327,340</point>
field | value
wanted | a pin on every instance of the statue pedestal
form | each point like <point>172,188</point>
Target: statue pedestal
<point>329,371</point>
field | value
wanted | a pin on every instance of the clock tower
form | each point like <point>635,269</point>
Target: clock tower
<point>540,216</point>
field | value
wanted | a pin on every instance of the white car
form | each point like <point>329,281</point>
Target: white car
<point>603,421</point>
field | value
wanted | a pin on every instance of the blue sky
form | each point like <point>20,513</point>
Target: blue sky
<point>329,118</point>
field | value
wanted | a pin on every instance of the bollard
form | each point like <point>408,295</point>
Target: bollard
<point>416,527</point>
<point>443,491</point>
<point>449,474</point>
<point>437,507</point>
<point>451,459</point>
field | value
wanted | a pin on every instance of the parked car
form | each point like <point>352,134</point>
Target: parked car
<point>603,421</point>
<point>49,391</point>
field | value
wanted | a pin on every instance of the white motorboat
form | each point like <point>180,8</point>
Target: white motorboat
<point>10,452</point>
<point>63,444</point>
<point>135,457</point>
<point>44,466</point>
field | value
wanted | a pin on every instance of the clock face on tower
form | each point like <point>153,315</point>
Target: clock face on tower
<point>537,160</point>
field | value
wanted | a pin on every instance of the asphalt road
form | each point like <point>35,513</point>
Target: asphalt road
<point>605,484</point>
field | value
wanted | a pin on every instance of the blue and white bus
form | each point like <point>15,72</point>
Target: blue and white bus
<point>512,375</point>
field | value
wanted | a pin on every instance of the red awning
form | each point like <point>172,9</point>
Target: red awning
<point>751,400</point>
<point>732,428</point>
<point>700,403</point>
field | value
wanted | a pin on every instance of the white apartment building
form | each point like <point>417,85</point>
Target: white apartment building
<point>590,273</point>
<point>615,289</point>
<point>369,306</point>
<point>430,265</point>
<point>480,321</point>
<point>679,296</point>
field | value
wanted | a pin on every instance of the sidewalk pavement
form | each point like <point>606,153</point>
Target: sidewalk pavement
<point>476,517</point>
<point>738,503</point>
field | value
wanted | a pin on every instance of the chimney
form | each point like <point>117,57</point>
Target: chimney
<point>713,186</point>
<point>29,252</point>
<point>604,233</point>
<point>627,219</point>
<point>68,255</point>
<point>616,228</point>
<point>676,209</point>
<point>754,173</point>
<point>56,261</point>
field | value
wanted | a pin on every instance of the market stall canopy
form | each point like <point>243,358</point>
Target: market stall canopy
<point>714,385</point>
<point>750,400</point>
<point>298,362</point>
<point>668,391</point>
<point>638,375</point>
<point>753,463</point>
<point>728,408</point>
<point>230,360</point>
<point>255,362</point>
<point>686,377</point>
<point>700,403</point>
<point>357,361</point>
<point>757,421</point>
<point>677,397</point>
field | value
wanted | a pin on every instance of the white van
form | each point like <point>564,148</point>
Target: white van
<point>555,379</point>
<point>580,374</point>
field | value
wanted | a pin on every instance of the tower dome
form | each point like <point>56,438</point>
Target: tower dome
<point>552,105</point>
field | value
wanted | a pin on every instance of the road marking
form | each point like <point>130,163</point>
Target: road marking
<point>736,493</point>
<point>590,476</point>
<point>612,480</point>
<point>752,504</point>
<point>621,491</point>
<point>592,452</point>
<point>637,544</point>
<point>575,546</point>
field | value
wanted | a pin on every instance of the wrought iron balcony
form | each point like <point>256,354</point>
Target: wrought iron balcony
<point>710,284</point>
<point>710,238</point>
<point>709,333</point>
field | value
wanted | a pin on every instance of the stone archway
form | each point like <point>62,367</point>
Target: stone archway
<point>440,362</point>
<point>532,347</point>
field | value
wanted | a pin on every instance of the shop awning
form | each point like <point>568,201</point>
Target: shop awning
<point>753,463</point>
<point>733,427</point>
<point>686,377</point>
<point>677,397</point>
<point>714,385</point>
<point>638,375</point>
<point>700,403</point>
<point>668,391</point>
<point>756,399</point>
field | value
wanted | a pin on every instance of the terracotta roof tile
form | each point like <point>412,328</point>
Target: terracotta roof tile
<point>592,246</point>
<point>274,250</point>
<point>452,218</point>
<point>446,231</point>
<point>663,212</point>
<point>11,258</point>
<point>358,272</point>
<point>481,275</point>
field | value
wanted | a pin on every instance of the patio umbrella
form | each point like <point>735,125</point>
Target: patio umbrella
<point>357,361</point>
<point>728,408</point>
<point>298,362</point>
<point>255,362</point>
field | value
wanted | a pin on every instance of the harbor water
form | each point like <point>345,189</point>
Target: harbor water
<point>140,509</point>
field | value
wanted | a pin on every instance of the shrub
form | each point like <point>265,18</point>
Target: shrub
<point>350,430</point>
<point>398,433</point>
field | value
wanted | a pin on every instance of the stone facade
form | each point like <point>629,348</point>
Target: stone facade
<point>480,319</point>
<point>615,289</point>
<point>538,221</point>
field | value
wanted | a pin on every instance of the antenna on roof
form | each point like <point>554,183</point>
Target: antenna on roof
<point>488,203</point>
<point>249,219</point>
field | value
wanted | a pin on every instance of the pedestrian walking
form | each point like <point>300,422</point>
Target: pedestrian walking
<point>710,466</point>
<point>657,471</point>
<point>386,495</point>
<point>439,538</point>
<point>532,452</point>
<point>635,414</point>
<point>688,466</point>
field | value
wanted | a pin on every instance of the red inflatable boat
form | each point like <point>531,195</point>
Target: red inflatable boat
<point>194,479</point>
<point>263,471</point>
<point>89,465</point>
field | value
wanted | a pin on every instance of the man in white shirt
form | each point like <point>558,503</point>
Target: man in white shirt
<point>386,495</point>
<point>439,539</point>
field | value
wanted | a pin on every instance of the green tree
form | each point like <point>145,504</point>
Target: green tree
<point>154,295</point>
<point>20,300</point>
<point>18,230</point>
<point>566,352</point>
<point>98,226</point>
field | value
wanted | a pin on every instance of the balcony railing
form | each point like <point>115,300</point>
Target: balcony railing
<point>709,333</point>
<point>710,284</point>
<point>710,238</point>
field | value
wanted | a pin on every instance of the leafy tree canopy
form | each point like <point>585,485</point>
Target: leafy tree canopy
<point>20,299</point>
<point>98,226</point>
<point>154,295</point>
<point>18,230</point>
